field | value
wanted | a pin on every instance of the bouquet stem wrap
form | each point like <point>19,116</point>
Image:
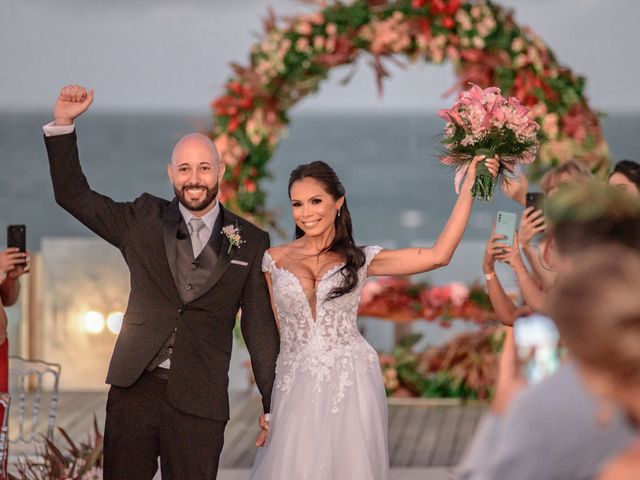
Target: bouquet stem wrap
<point>484,183</point>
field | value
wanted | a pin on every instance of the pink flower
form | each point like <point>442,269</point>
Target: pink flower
<point>302,44</point>
<point>439,296</point>
<point>459,293</point>
<point>304,28</point>
<point>331,29</point>
<point>550,125</point>
<point>231,153</point>
<point>370,290</point>
<point>316,18</point>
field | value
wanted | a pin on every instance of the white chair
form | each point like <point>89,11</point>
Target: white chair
<point>29,382</point>
<point>5,400</point>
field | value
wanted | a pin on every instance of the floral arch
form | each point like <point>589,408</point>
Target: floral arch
<point>481,39</point>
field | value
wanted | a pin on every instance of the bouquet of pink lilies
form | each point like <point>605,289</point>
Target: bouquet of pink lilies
<point>483,122</point>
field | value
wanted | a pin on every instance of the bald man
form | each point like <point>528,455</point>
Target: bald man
<point>169,369</point>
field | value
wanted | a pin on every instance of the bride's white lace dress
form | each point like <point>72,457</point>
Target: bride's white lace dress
<point>328,408</point>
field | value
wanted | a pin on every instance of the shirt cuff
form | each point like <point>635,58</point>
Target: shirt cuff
<point>51,130</point>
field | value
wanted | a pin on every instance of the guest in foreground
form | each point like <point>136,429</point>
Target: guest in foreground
<point>550,430</point>
<point>597,309</point>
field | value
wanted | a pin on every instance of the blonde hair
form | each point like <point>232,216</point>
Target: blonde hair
<point>575,170</point>
<point>596,306</point>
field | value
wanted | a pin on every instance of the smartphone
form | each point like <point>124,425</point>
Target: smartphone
<point>535,200</point>
<point>17,237</point>
<point>538,345</point>
<point>506,226</point>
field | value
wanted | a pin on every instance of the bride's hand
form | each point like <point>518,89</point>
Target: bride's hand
<point>261,441</point>
<point>492,164</point>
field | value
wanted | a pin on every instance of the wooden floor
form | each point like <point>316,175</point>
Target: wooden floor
<point>420,435</point>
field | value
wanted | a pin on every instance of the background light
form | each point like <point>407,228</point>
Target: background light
<point>114,322</point>
<point>93,322</point>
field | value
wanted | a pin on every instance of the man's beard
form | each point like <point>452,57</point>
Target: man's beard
<point>211,194</point>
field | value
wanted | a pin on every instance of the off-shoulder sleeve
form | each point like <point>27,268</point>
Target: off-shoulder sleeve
<point>268,263</point>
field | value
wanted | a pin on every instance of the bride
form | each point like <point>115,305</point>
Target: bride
<point>329,409</point>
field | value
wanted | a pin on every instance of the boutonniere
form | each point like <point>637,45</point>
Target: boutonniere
<point>233,235</point>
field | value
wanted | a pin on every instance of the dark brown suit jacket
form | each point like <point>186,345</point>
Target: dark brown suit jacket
<point>143,231</point>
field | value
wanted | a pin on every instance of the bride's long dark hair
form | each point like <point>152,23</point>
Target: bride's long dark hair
<point>343,243</point>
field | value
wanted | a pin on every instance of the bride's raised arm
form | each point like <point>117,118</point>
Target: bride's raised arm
<point>408,261</point>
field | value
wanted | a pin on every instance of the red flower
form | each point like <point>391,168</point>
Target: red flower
<point>234,123</point>
<point>448,22</point>
<point>579,122</point>
<point>424,26</point>
<point>250,185</point>
<point>525,85</point>
<point>439,7</point>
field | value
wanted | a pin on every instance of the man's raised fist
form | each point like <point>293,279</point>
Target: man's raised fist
<point>72,102</point>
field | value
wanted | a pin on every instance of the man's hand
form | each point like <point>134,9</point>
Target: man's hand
<point>72,102</point>
<point>261,441</point>
<point>13,262</point>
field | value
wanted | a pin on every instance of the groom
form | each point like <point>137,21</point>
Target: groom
<point>169,369</point>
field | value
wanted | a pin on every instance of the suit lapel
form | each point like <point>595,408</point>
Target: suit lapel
<point>170,226</point>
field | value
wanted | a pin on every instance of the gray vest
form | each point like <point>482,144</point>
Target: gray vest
<point>191,276</point>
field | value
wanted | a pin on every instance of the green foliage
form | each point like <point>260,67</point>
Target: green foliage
<point>445,385</point>
<point>499,140</point>
<point>349,17</point>
<point>441,384</point>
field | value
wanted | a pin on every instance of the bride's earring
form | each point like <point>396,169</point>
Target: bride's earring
<point>339,210</point>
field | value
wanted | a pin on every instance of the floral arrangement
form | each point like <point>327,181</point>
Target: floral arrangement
<point>481,39</point>
<point>483,122</point>
<point>401,300</point>
<point>82,461</point>
<point>466,367</point>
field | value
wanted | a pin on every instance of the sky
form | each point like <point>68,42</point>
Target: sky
<point>173,55</point>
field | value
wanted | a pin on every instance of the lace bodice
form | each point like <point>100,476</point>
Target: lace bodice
<point>324,343</point>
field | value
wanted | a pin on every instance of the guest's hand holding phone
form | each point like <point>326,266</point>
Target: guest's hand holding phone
<point>531,224</point>
<point>493,248</point>
<point>510,254</point>
<point>13,263</point>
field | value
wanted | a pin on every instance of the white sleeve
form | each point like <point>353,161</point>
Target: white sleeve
<point>51,130</point>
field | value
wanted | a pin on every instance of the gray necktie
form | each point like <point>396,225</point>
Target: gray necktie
<point>196,224</point>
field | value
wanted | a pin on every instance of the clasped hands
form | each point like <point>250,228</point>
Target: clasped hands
<point>263,422</point>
